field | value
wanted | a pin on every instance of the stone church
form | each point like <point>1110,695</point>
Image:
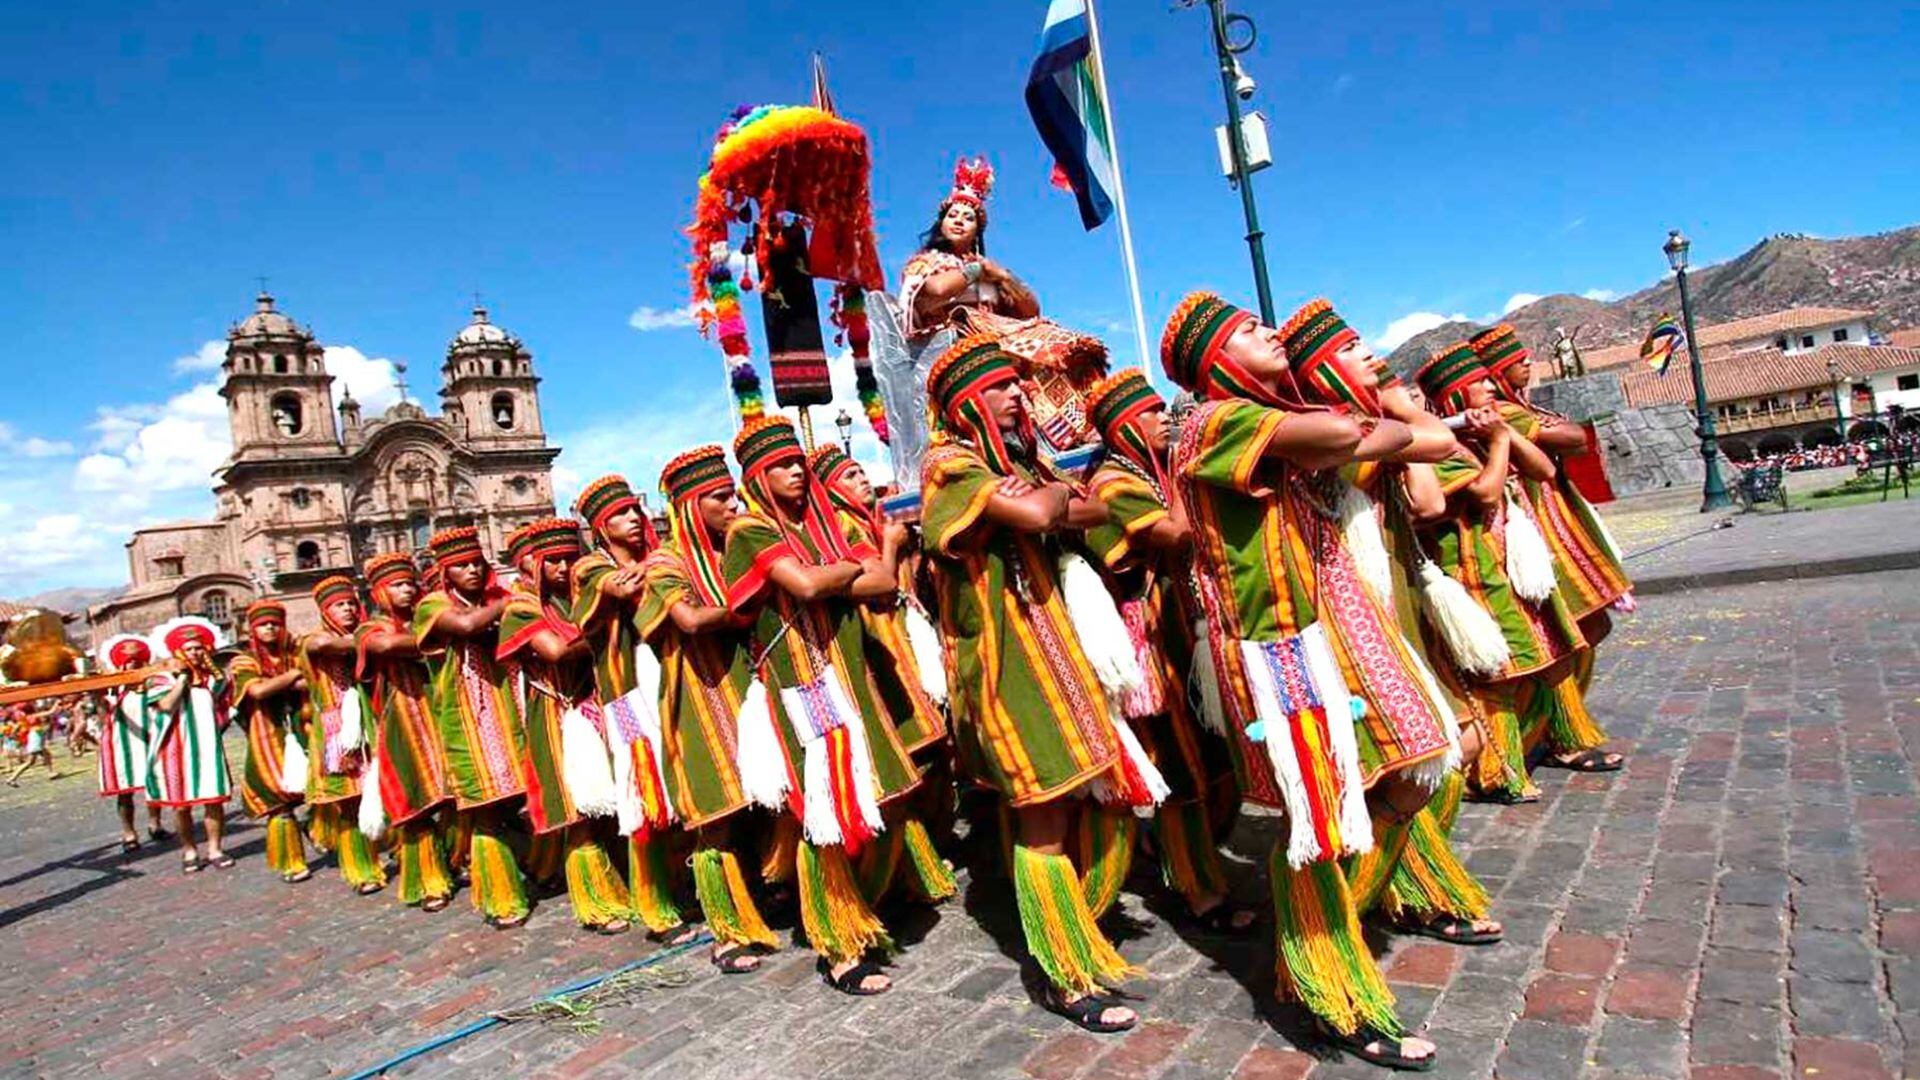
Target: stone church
<point>314,488</point>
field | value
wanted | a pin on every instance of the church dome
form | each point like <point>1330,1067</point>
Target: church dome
<point>482,332</point>
<point>266,321</point>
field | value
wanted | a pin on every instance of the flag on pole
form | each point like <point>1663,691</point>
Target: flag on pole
<point>1066,97</point>
<point>1662,342</point>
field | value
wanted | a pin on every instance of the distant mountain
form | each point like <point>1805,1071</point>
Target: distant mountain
<point>72,600</point>
<point>1880,273</point>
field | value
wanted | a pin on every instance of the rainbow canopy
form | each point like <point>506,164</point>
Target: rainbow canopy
<point>798,160</point>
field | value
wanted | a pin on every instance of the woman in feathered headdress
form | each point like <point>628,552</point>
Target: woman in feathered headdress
<point>187,766</point>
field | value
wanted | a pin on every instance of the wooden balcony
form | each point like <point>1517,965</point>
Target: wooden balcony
<point>1756,418</point>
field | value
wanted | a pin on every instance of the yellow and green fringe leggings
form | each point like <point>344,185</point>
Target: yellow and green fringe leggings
<point>358,864</point>
<point>1501,767</point>
<point>599,896</point>
<point>1553,710</point>
<point>1323,959</point>
<point>732,916</point>
<point>1189,861</point>
<point>423,871</point>
<point>1102,844</point>
<point>1062,934</point>
<point>782,841</point>
<point>286,854</point>
<point>1429,879</point>
<point>928,877</point>
<point>838,921</point>
<point>499,892</point>
<point>650,881</point>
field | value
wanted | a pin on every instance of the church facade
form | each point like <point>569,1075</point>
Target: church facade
<point>314,488</point>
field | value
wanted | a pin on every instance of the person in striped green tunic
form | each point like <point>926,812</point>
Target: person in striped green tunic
<point>268,696</point>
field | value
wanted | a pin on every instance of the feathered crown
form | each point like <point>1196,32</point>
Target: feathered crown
<point>173,635</point>
<point>972,181</point>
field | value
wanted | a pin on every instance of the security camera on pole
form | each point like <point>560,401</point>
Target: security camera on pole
<point>1243,139</point>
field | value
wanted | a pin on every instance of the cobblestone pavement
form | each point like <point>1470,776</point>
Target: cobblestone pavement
<point>1742,902</point>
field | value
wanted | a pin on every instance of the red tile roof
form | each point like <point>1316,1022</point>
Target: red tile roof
<point>1758,372</point>
<point>1716,337</point>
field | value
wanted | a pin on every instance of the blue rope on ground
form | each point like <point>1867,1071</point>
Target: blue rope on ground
<point>484,1023</point>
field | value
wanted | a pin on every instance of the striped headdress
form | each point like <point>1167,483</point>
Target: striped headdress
<point>1116,404</point>
<point>382,571</point>
<point>955,383</point>
<point>1500,350</point>
<point>830,464</point>
<point>276,658</point>
<point>1447,374</point>
<point>764,444</point>
<point>1314,337</point>
<point>1192,351</point>
<point>531,544</point>
<point>262,611</point>
<point>331,590</point>
<point>451,547</point>
<point>687,477</point>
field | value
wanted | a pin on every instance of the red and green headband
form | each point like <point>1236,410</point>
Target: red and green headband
<point>1314,338</point>
<point>331,590</point>
<point>266,611</point>
<point>1449,372</point>
<point>764,443</point>
<point>1121,398</point>
<point>694,473</point>
<point>451,547</point>
<point>829,462</point>
<point>384,568</point>
<point>543,539</point>
<point>1190,344</point>
<point>1499,348</point>
<point>973,364</point>
<point>604,498</point>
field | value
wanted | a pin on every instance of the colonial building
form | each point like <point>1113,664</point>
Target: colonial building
<point>312,487</point>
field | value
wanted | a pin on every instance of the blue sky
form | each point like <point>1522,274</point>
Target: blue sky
<point>380,162</point>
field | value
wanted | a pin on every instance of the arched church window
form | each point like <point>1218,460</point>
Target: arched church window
<point>285,411</point>
<point>280,365</point>
<point>306,555</point>
<point>499,368</point>
<point>503,411</point>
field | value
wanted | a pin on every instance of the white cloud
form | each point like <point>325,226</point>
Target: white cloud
<point>52,541</point>
<point>12,444</point>
<point>645,318</point>
<point>1574,224</point>
<point>1400,330</point>
<point>208,357</point>
<point>1517,301</point>
<point>1602,295</point>
<point>146,448</point>
<point>370,379</point>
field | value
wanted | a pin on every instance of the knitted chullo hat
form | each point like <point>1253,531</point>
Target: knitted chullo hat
<point>764,444</point>
<point>955,385</point>
<point>688,476</point>
<point>1447,374</point>
<point>329,591</point>
<point>833,467</point>
<point>1116,404</point>
<point>604,498</point>
<point>263,611</point>
<point>1192,350</point>
<point>1314,337</point>
<point>451,547</point>
<point>543,538</point>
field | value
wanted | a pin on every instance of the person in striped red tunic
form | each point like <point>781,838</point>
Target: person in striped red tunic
<point>186,764</point>
<point>268,695</point>
<point>122,768</point>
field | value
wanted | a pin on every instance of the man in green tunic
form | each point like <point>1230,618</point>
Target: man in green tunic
<point>1030,716</point>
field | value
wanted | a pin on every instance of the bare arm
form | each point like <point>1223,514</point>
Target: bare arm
<point>1425,497</point>
<point>1386,441</point>
<point>880,578</point>
<point>555,649</point>
<point>1557,437</point>
<point>1315,440</point>
<point>809,583</point>
<point>466,622</point>
<point>388,644</point>
<point>694,619</point>
<point>1433,441</point>
<point>1085,511</point>
<point>1529,460</point>
<point>263,688</point>
<point>1490,487</point>
<point>324,644</point>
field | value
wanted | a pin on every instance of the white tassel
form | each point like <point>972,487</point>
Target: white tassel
<point>758,755</point>
<point>1356,825</point>
<point>647,677</point>
<point>1476,641</point>
<point>293,765</point>
<point>927,654</point>
<point>1360,526</point>
<point>628,813</point>
<point>816,807</point>
<point>818,817</point>
<point>373,808</point>
<point>1206,678</point>
<point>1103,789</point>
<point>353,732</point>
<point>585,767</point>
<point>1097,622</point>
<point>1529,563</point>
<point>1302,846</point>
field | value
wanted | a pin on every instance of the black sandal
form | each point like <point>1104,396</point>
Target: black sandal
<point>612,928</point>
<point>848,981</point>
<point>1388,1057</point>
<point>1507,798</point>
<point>1453,930</point>
<point>1085,1012</point>
<point>191,866</point>
<point>739,960</point>
<point>128,847</point>
<point>1219,919</point>
<point>1589,761</point>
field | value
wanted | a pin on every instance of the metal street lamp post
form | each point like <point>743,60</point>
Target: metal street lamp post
<point>1714,495</point>
<point>1236,85</point>
<point>845,424</point>
<point>1839,413</point>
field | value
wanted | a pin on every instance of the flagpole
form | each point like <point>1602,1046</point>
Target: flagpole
<point>1119,191</point>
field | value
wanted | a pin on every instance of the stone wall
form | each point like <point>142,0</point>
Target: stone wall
<point>1646,449</point>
